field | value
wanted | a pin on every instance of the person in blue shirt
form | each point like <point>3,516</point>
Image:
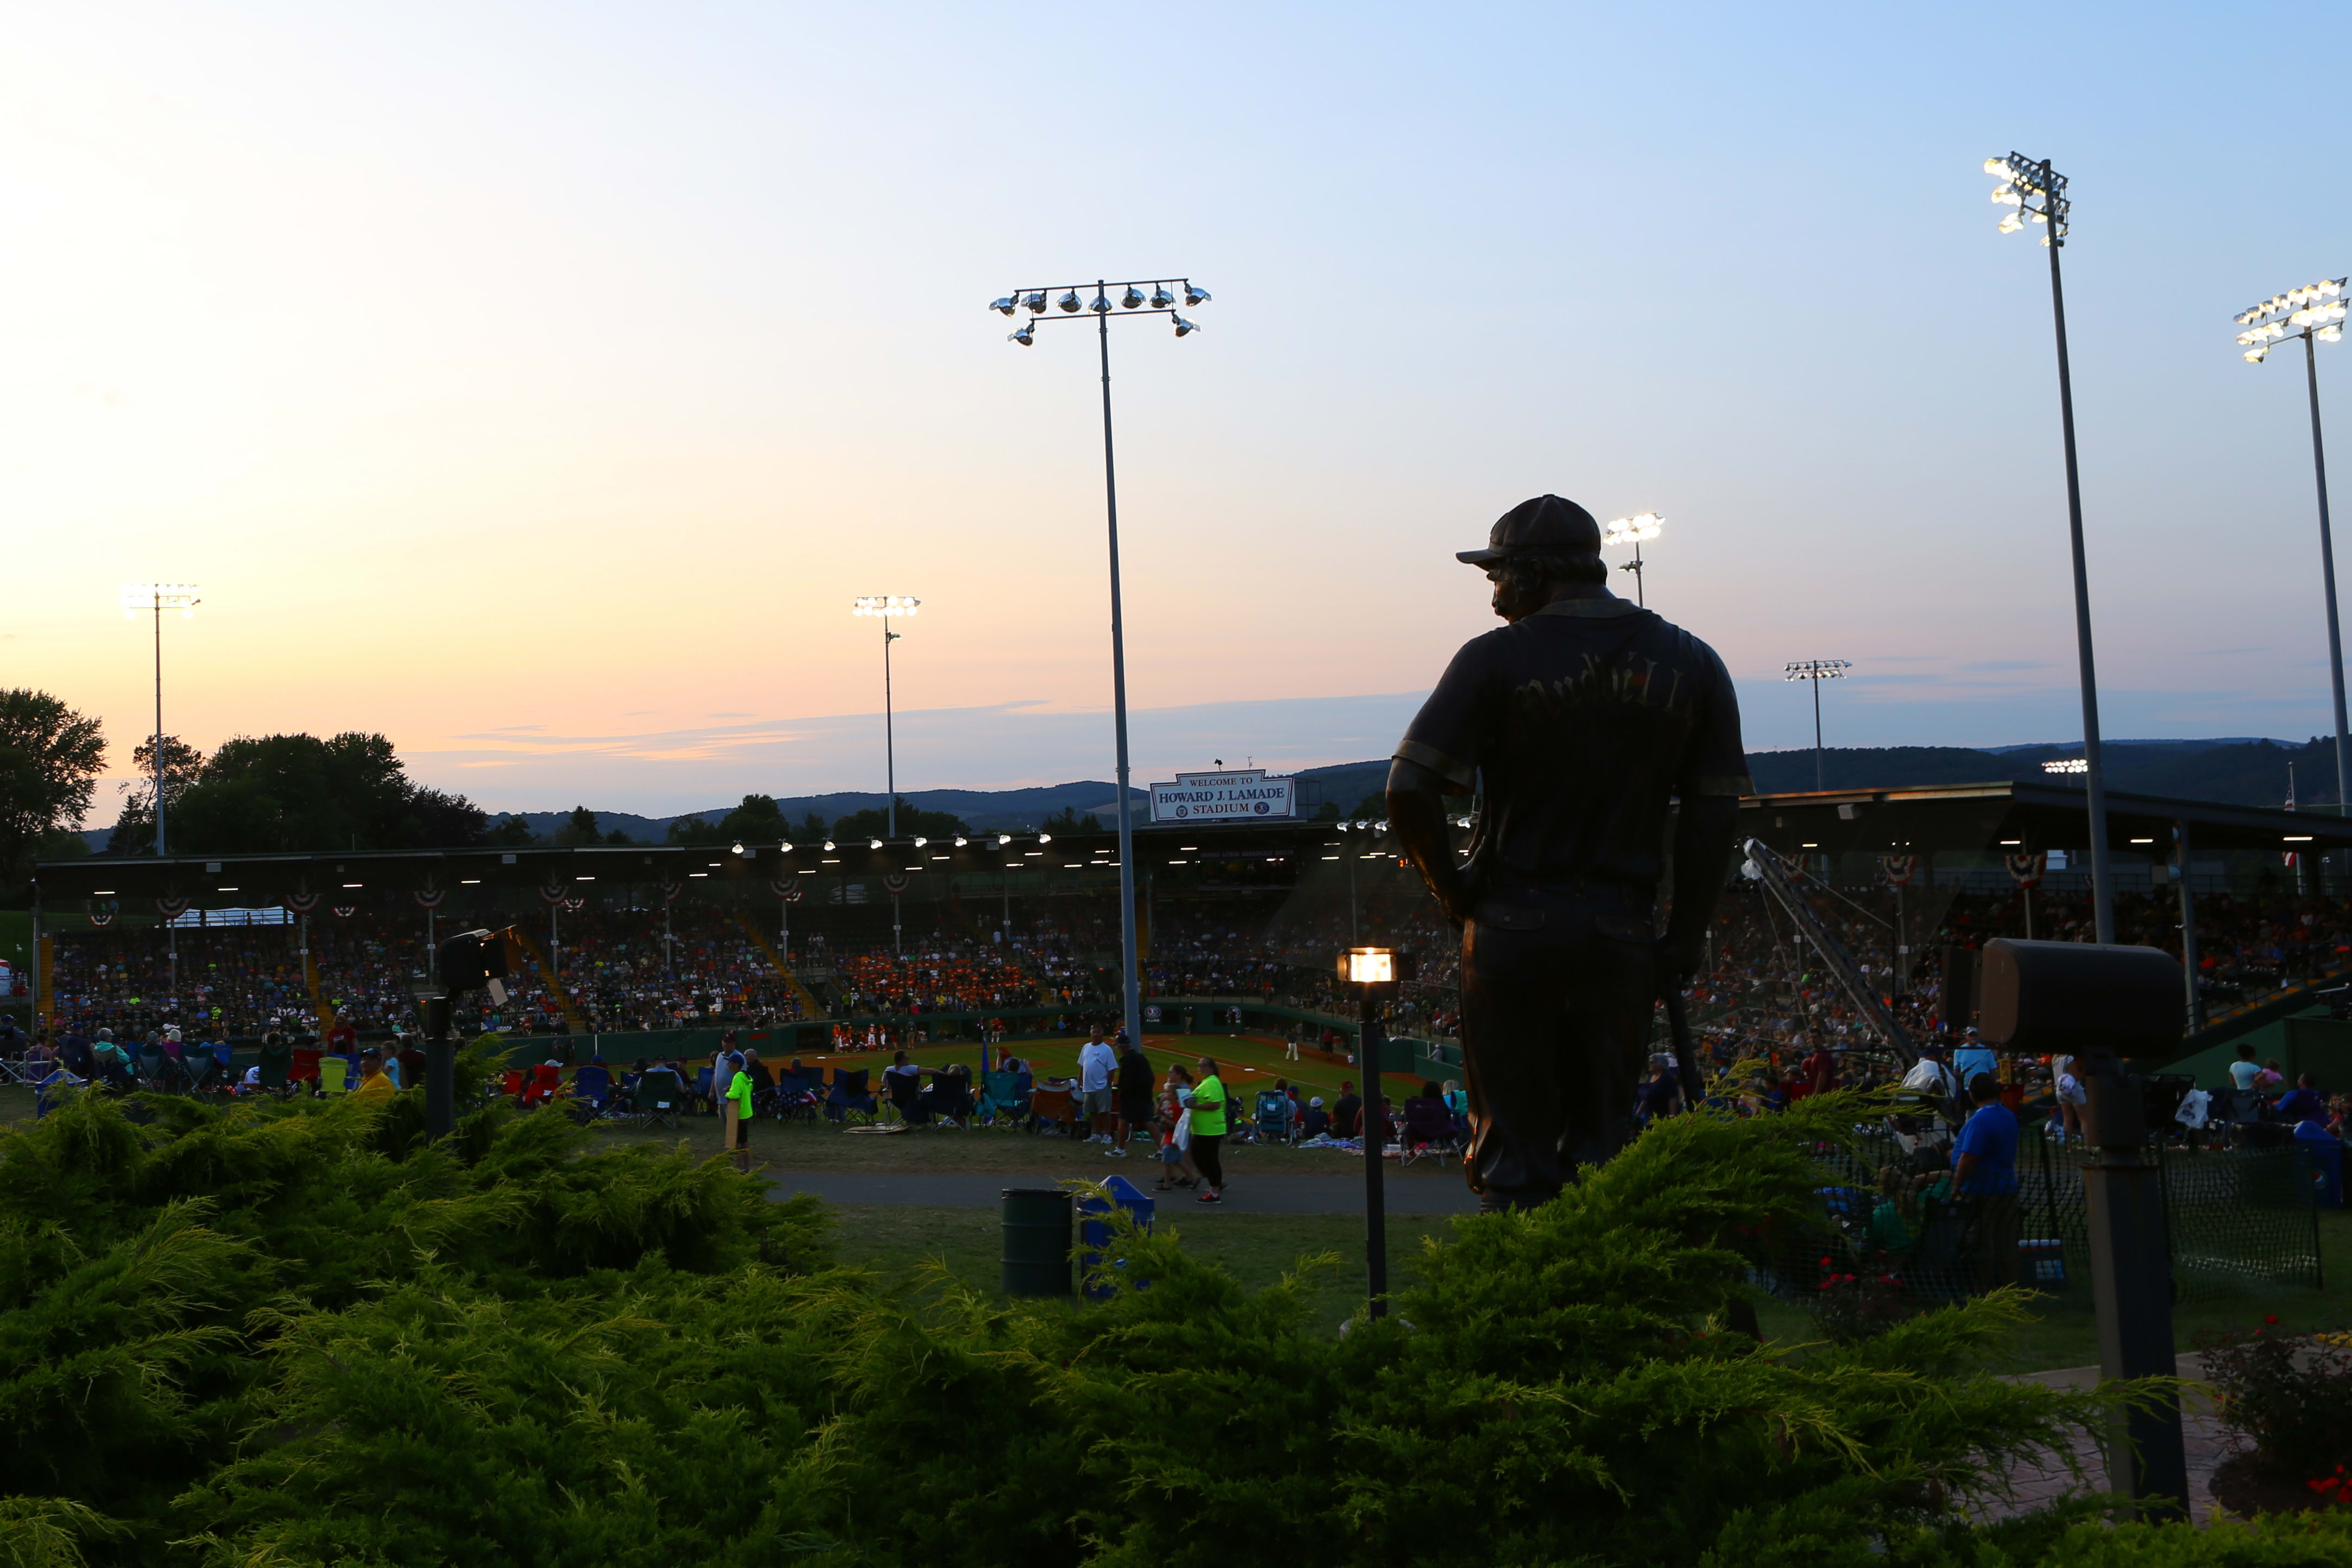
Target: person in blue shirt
<point>1984,1173</point>
<point>1972,1056</point>
<point>2303,1103</point>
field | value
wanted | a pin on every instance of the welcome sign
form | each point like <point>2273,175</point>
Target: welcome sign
<point>1246,795</point>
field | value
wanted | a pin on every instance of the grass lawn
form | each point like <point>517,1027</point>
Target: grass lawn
<point>1258,1249</point>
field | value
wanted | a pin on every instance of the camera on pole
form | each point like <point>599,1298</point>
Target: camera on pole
<point>469,960</point>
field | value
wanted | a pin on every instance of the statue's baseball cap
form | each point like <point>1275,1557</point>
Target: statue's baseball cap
<point>1547,522</point>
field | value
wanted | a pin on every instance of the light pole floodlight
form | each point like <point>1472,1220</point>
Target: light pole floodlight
<point>1641,526</point>
<point>2039,190</point>
<point>1132,300</point>
<point>1632,530</point>
<point>160,597</point>
<point>1818,671</point>
<point>2314,313</point>
<point>882,606</point>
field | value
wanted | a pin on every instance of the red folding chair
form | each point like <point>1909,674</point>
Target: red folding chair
<point>546,1083</point>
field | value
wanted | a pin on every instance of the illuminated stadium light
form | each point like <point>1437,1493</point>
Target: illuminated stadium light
<point>921,841</point>
<point>2067,765</point>
<point>1817,670</point>
<point>2031,188</point>
<point>1633,530</point>
<point>2313,313</point>
<point>1132,300</point>
<point>1007,305</point>
<point>884,604</point>
<point>786,846</point>
<point>874,844</point>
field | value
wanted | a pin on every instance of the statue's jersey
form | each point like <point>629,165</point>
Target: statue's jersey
<point>1577,725</point>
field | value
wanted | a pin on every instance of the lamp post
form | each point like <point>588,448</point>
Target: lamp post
<point>1818,671</point>
<point>2038,192</point>
<point>1372,971</point>
<point>157,597</point>
<point>1132,300</point>
<point>2314,311</point>
<point>1632,530</point>
<point>884,606</point>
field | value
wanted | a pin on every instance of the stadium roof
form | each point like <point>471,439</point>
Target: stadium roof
<point>1924,818</point>
<point>2025,818</point>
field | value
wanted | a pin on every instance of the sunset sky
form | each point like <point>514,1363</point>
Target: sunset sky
<point>538,384</point>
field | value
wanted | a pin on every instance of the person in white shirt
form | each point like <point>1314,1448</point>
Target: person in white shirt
<point>1930,1076</point>
<point>1097,1061</point>
<point>2245,1069</point>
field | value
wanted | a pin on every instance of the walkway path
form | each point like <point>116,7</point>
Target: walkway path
<point>2207,1442</point>
<point>1256,1195</point>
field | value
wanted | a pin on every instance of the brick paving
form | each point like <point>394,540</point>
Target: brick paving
<point>2206,1440</point>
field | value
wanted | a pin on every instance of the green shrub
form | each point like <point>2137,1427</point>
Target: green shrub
<point>291,1335</point>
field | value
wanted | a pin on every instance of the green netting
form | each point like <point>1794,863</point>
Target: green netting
<point>2237,1221</point>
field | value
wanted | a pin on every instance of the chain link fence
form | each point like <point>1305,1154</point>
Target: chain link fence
<point>2236,1220</point>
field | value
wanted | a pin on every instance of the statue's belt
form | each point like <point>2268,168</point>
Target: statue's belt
<point>1614,911</point>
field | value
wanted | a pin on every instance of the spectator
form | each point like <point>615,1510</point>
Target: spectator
<point>1318,1120</point>
<point>1984,1168</point>
<point>1974,1056</point>
<point>1209,1104</point>
<point>1821,1068</point>
<point>2245,1069</point>
<point>2270,1078</point>
<point>1176,1168</point>
<point>2303,1104</point>
<point>1930,1075</point>
<point>1097,1061</point>
<point>2072,1097</point>
<point>1658,1095</point>
<point>737,1126</point>
<point>372,1083</point>
<point>1134,1091</point>
<point>1346,1112</point>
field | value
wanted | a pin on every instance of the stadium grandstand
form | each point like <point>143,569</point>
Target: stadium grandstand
<point>852,945</point>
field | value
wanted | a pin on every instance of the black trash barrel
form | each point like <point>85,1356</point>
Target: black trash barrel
<point>1036,1241</point>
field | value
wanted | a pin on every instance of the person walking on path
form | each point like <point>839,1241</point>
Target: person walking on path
<point>1097,1061</point>
<point>1209,1104</point>
<point>735,1131</point>
<point>1134,1095</point>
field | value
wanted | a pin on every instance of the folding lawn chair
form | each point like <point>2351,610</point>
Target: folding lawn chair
<point>592,1087</point>
<point>1273,1115</point>
<point>850,1100</point>
<point>660,1097</point>
<point>1003,1102</point>
<point>333,1073</point>
<point>1056,1108</point>
<point>1428,1129</point>
<point>546,1083</point>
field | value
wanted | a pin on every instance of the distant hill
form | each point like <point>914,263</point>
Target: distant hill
<point>2236,772</point>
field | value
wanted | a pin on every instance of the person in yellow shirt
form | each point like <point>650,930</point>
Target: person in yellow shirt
<point>1209,1104</point>
<point>736,1130</point>
<point>372,1081</point>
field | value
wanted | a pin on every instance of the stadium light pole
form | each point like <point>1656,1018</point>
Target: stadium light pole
<point>2314,311</point>
<point>157,597</point>
<point>2038,193</point>
<point>1818,671</point>
<point>884,605</point>
<point>1632,530</point>
<point>1133,301</point>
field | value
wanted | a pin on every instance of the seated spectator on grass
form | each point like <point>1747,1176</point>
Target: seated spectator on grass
<point>1347,1111</point>
<point>1317,1122</point>
<point>372,1081</point>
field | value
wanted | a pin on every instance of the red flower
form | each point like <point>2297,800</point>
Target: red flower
<point>1825,1263</point>
<point>2271,1319</point>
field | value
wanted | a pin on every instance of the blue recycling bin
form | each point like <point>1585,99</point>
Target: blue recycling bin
<point>1094,1227</point>
<point>2319,1158</point>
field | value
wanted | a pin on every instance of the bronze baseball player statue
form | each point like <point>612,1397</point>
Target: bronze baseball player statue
<point>1576,726</point>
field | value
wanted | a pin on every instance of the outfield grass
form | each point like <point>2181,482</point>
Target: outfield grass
<point>1247,1062</point>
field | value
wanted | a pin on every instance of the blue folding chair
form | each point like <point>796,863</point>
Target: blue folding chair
<point>593,1086</point>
